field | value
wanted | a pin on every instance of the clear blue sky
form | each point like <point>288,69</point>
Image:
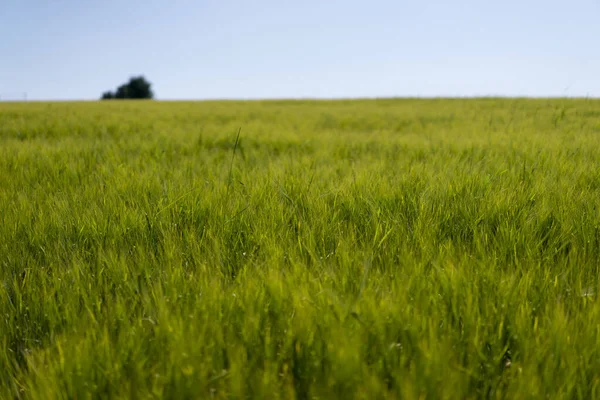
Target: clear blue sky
<point>199,49</point>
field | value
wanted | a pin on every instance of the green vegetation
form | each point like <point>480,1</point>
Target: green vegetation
<point>342,249</point>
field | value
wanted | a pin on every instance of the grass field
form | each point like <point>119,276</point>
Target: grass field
<point>441,249</point>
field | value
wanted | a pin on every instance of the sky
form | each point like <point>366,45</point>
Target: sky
<point>225,49</point>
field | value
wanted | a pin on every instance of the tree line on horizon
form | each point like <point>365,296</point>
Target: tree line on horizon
<point>137,88</point>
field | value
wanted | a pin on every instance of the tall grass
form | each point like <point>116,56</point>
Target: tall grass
<point>335,249</point>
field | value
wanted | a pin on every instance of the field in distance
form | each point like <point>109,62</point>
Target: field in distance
<point>443,248</point>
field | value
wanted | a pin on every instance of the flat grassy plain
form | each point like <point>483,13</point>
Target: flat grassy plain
<point>441,249</point>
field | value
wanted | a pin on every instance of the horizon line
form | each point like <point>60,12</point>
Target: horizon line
<point>316,99</point>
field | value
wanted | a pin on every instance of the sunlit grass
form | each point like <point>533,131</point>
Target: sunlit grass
<point>352,249</point>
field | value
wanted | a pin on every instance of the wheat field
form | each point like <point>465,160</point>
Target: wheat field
<point>392,248</point>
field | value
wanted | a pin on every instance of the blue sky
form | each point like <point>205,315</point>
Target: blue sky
<point>207,49</point>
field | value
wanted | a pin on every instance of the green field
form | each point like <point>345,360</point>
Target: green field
<point>440,249</point>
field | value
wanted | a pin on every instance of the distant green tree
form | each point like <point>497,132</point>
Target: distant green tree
<point>137,88</point>
<point>122,92</point>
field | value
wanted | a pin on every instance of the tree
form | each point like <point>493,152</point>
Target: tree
<point>137,88</point>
